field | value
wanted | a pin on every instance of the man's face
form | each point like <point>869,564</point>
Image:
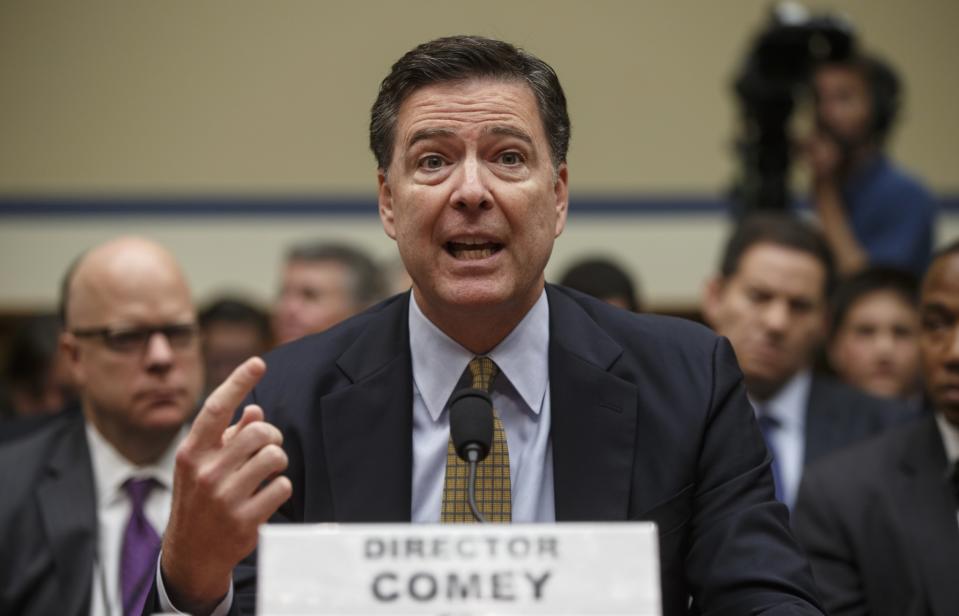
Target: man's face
<point>939,336</point>
<point>877,346</point>
<point>135,390</point>
<point>315,296</point>
<point>471,196</point>
<point>843,104</point>
<point>228,344</point>
<point>772,309</point>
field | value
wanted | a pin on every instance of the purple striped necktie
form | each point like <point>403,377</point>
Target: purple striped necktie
<point>141,545</point>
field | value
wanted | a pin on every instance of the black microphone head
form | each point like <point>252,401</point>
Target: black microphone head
<point>471,421</point>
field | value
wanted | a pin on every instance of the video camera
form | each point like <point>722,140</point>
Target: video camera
<point>773,76</point>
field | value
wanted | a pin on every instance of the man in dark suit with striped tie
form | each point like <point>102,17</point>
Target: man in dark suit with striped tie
<point>86,496</point>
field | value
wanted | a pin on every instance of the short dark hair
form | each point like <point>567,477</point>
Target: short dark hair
<point>779,229</point>
<point>457,58</point>
<point>868,281</point>
<point>234,310</point>
<point>366,281</point>
<point>601,278</point>
<point>32,351</point>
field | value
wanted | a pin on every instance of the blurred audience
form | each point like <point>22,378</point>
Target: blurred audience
<point>879,521</point>
<point>323,284</point>
<point>874,341</point>
<point>232,331</point>
<point>769,299</point>
<point>603,279</point>
<point>82,513</point>
<point>870,209</point>
<point>36,376</point>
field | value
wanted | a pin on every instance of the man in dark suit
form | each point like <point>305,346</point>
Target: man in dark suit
<point>770,299</point>
<point>617,416</point>
<point>69,500</point>
<point>879,521</point>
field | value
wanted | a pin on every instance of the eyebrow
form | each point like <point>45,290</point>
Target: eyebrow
<point>432,133</point>
<point>509,131</point>
<point>934,307</point>
<point>428,133</point>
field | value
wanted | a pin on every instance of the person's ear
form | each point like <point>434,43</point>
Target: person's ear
<point>72,353</point>
<point>561,192</point>
<point>385,200</point>
<point>712,299</point>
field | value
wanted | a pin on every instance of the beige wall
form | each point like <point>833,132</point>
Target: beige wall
<point>259,98</point>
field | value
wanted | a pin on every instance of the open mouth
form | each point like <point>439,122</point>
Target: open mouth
<point>472,251</point>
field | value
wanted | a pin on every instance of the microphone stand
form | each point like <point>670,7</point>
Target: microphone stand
<point>472,456</point>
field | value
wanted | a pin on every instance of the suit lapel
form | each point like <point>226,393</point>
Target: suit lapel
<point>67,499</point>
<point>368,426</point>
<point>593,412</point>
<point>929,516</point>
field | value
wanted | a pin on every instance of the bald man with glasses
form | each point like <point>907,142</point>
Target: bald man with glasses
<point>86,498</point>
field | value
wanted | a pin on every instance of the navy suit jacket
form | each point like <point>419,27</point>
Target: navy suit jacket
<point>882,534</point>
<point>650,421</point>
<point>839,415</point>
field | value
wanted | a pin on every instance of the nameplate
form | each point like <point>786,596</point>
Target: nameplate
<point>464,570</point>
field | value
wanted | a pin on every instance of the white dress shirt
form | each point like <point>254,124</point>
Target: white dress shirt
<point>950,441</point>
<point>520,396</point>
<point>788,407</point>
<point>110,471</point>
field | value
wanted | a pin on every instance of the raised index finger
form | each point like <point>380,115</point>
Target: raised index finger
<point>218,409</point>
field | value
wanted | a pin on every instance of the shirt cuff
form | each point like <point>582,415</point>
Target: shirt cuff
<point>222,608</point>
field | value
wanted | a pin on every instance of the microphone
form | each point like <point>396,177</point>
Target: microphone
<point>471,428</point>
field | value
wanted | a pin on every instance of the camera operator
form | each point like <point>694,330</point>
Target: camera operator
<point>872,212</point>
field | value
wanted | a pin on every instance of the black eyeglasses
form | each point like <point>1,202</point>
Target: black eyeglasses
<point>181,336</point>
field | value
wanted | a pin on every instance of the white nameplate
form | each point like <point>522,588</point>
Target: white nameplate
<point>466,570</point>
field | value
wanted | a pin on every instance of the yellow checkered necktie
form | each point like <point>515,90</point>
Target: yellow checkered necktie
<point>493,487</point>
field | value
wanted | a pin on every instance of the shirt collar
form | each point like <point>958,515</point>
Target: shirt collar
<point>111,470</point>
<point>788,406</point>
<point>950,438</point>
<point>522,357</point>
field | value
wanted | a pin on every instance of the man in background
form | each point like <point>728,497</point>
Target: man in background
<point>86,497</point>
<point>874,341</point>
<point>232,330</point>
<point>872,212</point>
<point>35,376</point>
<point>323,284</point>
<point>770,299</point>
<point>603,279</point>
<point>879,521</point>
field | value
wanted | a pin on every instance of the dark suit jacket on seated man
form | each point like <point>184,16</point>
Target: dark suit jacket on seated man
<point>608,415</point>
<point>883,534</point>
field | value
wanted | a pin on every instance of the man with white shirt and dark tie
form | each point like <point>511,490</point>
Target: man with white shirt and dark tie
<point>880,521</point>
<point>86,498</point>
<point>599,414</point>
<point>770,299</point>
